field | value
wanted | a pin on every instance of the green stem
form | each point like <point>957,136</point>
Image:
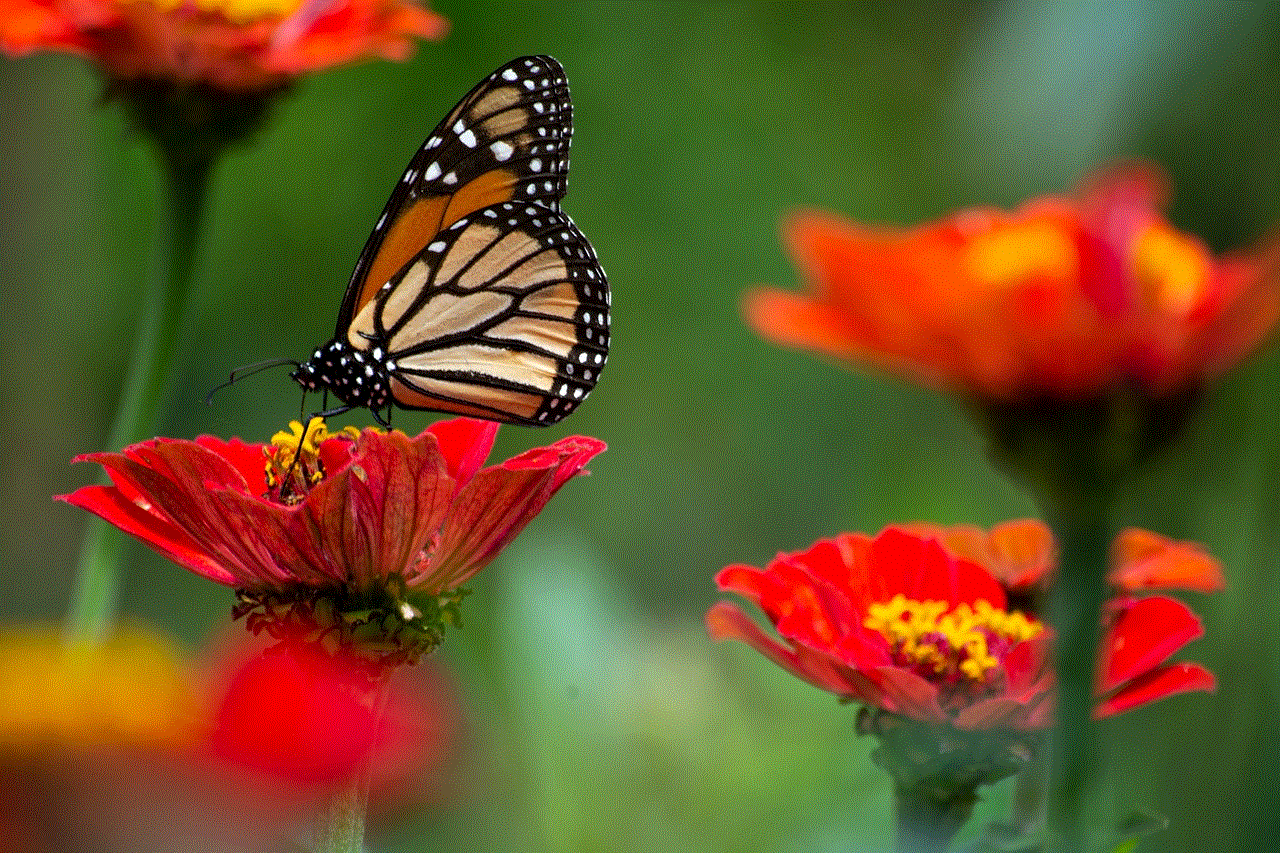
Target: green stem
<point>184,187</point>
<point>926,822</point>
<point>340,826</point>
<point>1075,608</point>
<point>1029,797</point>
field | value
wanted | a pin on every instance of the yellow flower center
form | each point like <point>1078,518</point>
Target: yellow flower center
<point>960,645</point>
<point>293,458</point>
<point>1171,269</point>
<point>1008,256</point>
<point>239,11</point>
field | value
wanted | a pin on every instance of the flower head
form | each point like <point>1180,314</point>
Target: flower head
<point>1061,298</point>
<point>110,742</point>
<point>902,624</point>
<point>233,45</point>
<point>362,534</point>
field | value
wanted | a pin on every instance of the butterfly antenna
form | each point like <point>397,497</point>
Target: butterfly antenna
<point>247,371</point>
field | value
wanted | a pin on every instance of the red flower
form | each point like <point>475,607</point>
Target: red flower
<point>371,518</point>
<point>1064,297</point>
<point>110,742</point>
<point>235,45</point>
<point>901,624</point>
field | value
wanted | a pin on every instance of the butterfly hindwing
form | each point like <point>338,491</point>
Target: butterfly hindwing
<point>504,315</point>
<point>507,139</point>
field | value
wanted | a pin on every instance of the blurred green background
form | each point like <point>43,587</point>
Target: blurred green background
<point>600,715</point>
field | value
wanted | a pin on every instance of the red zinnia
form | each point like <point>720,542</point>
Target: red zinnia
<point>1064,297</point>
<point>358,514</point>
<point>898,622</point>
<point>235,45</point>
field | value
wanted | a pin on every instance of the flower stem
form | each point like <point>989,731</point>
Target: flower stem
<point>1075,607</point>
<point>927,822</point>
<point>184,188</point>
<point>340,826</point>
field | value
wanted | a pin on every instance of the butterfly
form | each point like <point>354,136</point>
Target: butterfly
<point>476,294</point>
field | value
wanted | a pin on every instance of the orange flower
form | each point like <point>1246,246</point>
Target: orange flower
<point>1061,298</point>
<point>235,45</point>
<point>1022,554</point>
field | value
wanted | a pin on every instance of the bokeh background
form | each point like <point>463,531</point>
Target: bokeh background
<point>600,717</point>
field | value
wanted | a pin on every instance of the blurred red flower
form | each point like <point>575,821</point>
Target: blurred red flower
<point>234,45</point>
<point>1062,298</point>
<point>356,509</point>
<point>900,623</point>
<point>105,746</point>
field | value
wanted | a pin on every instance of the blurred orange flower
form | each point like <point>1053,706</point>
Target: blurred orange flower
<point>235,45</point>
<point>1065,297</point>
<point>1023,555</point>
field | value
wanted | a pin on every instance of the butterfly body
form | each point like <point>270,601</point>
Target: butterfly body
<point>476,294</point>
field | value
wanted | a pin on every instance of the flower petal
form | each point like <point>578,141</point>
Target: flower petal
<point>1145,560</point>
<point>726,621</point>
<point>496,505</point>
<point>1157,684</point>
<point>110,504</point>
<point>377,514</point>
<point>465,444</point>
<point>1144,633</point>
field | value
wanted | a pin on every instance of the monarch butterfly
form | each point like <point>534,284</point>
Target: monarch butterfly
<point>476,294</point>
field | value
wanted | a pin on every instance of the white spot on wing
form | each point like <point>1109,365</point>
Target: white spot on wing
<point>502,150</point>
<point>467,138</point>
<point>433,171</point>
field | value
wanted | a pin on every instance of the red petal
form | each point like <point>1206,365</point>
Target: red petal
<point>377,514</point>
<point>110,504</point>
<point>297,714</point>
<point>249,459</point>
<point>726,622</point>
<point>919,568</point>
<point>495,506</point>
<point>1157,684</point>
<point>1145,632</point>
<point>465,443</point>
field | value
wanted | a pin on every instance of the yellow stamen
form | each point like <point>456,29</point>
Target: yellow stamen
<point>1009,256</point>
<point>239,11</point>
<point>1172,270</point>
<point>947,643</point>
<point>296,454</point>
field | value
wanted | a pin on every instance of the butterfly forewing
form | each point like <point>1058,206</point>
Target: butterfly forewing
<point>504,315</point>
<point>507,140</point>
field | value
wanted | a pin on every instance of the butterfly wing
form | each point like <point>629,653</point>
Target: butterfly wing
<point>504,315</point>
<point>508,139</point>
